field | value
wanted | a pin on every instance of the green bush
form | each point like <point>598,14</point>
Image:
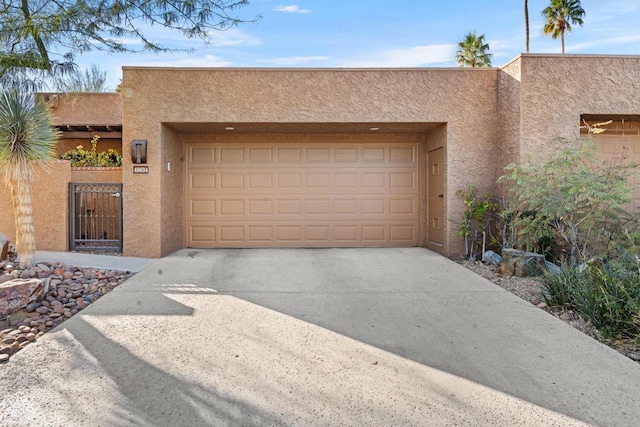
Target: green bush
<point>559,286</point>
<point>572,201</point>
<point>607,295</point>
<point>80,157</point>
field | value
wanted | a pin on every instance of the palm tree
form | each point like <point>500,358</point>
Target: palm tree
<point>26,135</point>
<point>560,14</point>
<point>526,22</point>
<point>473,51</point>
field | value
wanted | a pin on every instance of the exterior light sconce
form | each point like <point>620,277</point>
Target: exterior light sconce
<point>229,128</point>
<point>374,129</point>
<point>139,151</point>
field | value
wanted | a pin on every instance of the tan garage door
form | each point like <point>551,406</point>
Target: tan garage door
<point>311,194</point>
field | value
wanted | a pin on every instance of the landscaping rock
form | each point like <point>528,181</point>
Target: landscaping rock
<point>552,268</point>
<point>54,304</point>
<point>18,293</point>
<point>521,263</point>
<point>492,258</point>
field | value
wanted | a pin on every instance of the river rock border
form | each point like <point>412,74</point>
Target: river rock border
<point>71,289</point>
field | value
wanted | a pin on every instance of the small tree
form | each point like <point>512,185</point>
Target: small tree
<point>25,136</point>
<point>573,197</point>
<point>477,219</point>
<point>92,80</point>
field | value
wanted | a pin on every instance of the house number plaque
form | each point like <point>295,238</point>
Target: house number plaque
<point>140,170</point>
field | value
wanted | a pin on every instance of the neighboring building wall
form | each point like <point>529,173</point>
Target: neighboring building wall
<point>557,89</point>
<point>85,108</point>
<point>50,210</point>
<point>465,99</point>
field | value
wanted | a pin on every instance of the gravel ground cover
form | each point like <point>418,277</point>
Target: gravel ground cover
<point>71,289</point>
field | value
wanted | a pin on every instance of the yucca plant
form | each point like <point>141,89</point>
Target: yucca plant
<point>26,136</point>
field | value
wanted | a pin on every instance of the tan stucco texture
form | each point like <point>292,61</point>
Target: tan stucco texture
<point>50,211</point>
<point>85,108</point>
<point>272,100</point>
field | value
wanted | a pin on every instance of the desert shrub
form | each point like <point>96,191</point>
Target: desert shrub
<point>80,157</point>
<point>559,285</point>
<point>607,295</point>
<point>571,200</point>
<point>477,219</point>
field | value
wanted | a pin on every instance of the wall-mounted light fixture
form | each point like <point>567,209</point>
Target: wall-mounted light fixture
<point>139,151</point>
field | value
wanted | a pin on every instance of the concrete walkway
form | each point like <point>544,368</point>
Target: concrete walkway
<point>315,337</point>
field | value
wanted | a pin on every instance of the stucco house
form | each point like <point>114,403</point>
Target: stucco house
<point>226,157</point>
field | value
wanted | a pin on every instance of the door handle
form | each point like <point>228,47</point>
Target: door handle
<point>441,196</point>
<point>115,194</point>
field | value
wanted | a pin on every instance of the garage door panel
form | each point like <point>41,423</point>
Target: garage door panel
<point>260,207</point>
<point>317,207</point>
<point>259,180</point>
<point>273,208</point>
<point>203,235</point>
<point>260,155</point>
<point>304,235</point>
<point>288,155</point>
<point>302,195</point>
<point>201,208</point>
<point>399,155</point>
<point>232,207</point>
<point>299,181</point>
<point>202,155</point>
<point>202,182</point>
<point>317,154</point>
<point>232,155</point>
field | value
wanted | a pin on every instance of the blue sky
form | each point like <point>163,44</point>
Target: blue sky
<point>383,33</point>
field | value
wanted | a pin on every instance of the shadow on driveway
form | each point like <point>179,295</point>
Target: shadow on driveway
<point>321,337</point>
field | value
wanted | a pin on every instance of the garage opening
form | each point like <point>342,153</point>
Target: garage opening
<point>302,190</point>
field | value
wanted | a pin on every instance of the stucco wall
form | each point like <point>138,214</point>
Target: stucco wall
<point>173,191</point>
<point>557,89</point>
<point>85,108</point>
<point>50,210</point>
<point>465,99</point>
<point>509,111</point>
<point>96,174</point>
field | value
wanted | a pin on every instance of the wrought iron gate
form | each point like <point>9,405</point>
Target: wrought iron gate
<point>95,217</point>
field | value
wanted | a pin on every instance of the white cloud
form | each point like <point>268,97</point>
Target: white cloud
<point>294,8</point>
<point>409,57</point>
<point>196,62</point>
<point>295,60</point>
<point>232,37</point>
<point>618,40</point>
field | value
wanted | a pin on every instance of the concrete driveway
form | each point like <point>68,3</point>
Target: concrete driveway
<point>315,337</point>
